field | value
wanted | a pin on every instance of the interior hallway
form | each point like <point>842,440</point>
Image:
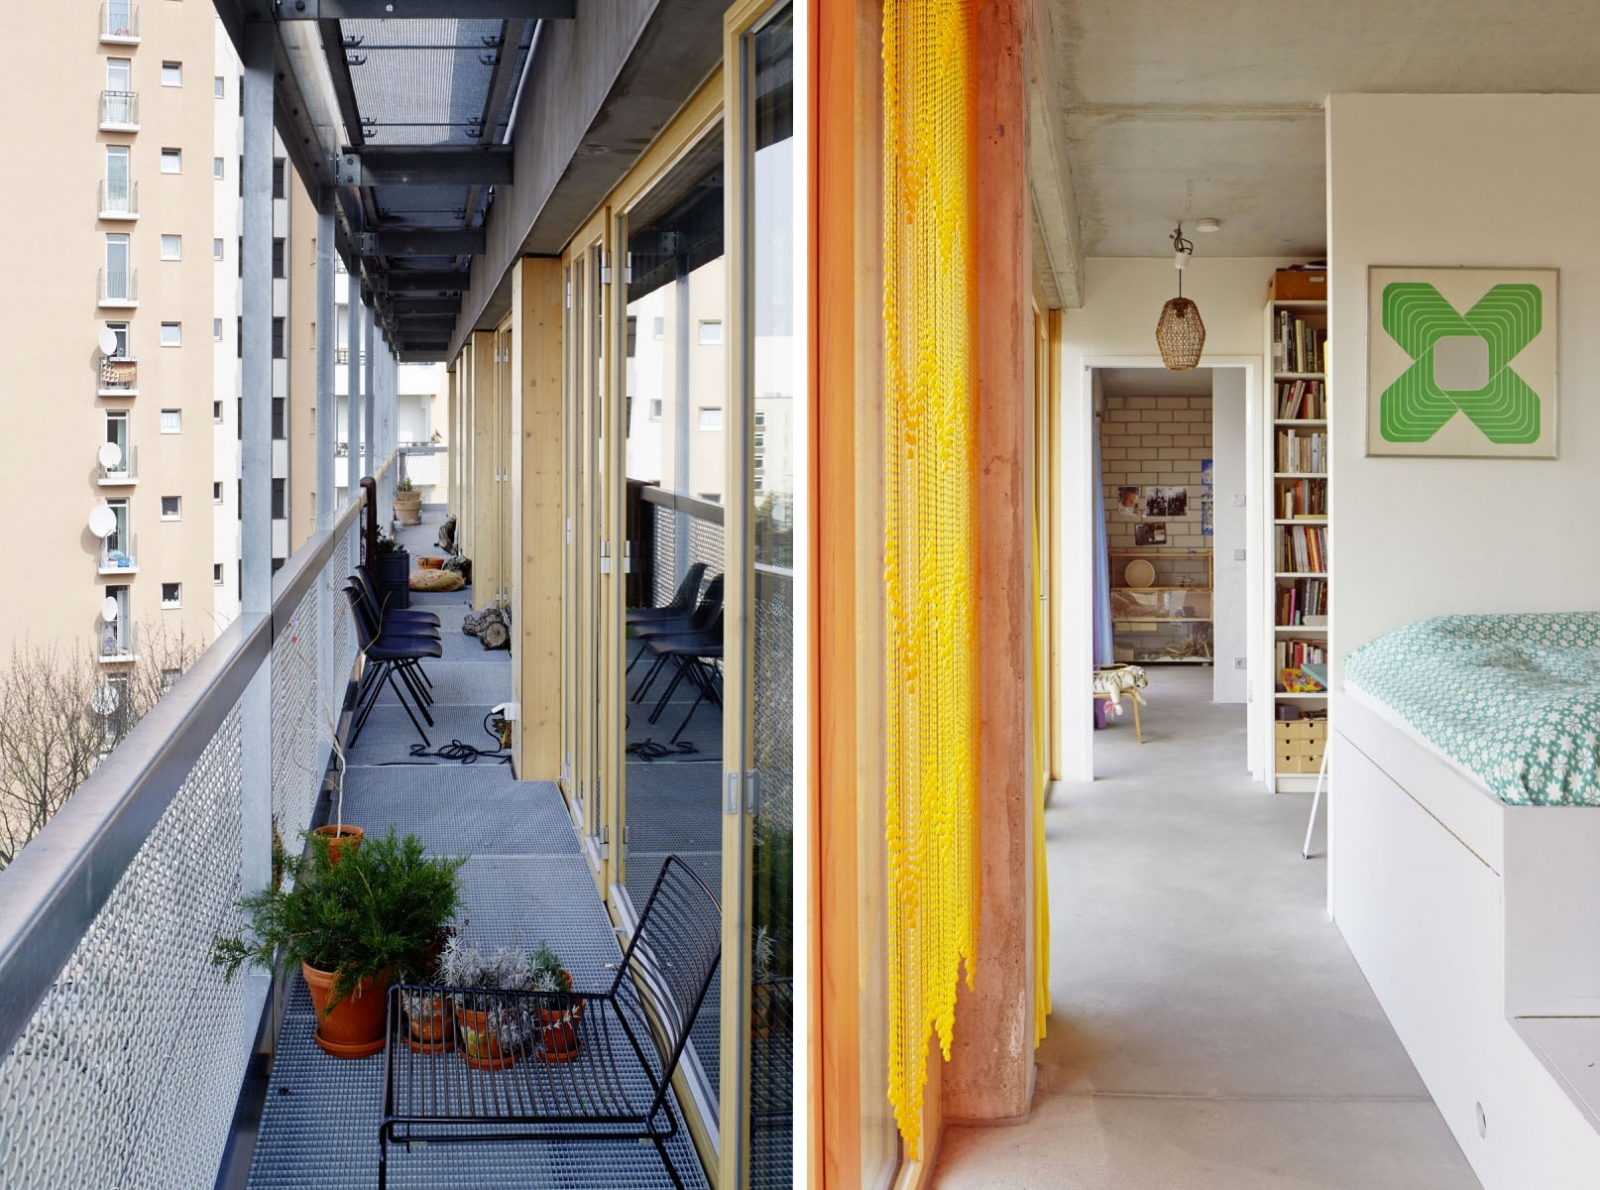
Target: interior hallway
<point>1210,1029</point>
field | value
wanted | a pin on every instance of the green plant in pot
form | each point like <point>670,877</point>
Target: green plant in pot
<point>407,503</point>
<point>561,1014</point>
<point>391,573</point>
<point>491,1032</point>
<point>354,927</point>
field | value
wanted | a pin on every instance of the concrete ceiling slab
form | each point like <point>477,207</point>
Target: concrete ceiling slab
<point>1213,107</point>
<point>1155,382</point>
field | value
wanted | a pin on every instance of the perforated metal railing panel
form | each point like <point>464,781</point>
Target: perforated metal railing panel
<point>301,715</point>
<point>128,1072</point>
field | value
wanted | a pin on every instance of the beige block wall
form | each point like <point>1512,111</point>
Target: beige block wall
<point>53,241</point>
<point>1154,441</point>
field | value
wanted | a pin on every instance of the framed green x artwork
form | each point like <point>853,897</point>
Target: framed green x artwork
<point>1461,363</point>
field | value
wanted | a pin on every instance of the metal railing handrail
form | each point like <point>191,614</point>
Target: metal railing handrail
<point>130,30</point>
<point>129,199</point>
<point>703,509</point>
<point>129,109</point>
<point>59,882</point>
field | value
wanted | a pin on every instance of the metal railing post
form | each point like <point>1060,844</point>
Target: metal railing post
<point>369,341</point>
<point>255,587</point>
<point>327,504</point>
<point>352,399</point>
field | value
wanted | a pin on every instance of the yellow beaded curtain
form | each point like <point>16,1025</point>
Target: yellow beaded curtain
<point>930,556</point>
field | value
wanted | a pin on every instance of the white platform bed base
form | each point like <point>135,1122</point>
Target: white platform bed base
<point>1477,925</point>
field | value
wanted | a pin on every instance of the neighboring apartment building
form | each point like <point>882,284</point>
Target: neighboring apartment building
<point>119,325</point>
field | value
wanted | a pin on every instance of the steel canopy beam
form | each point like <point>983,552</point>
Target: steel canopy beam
<point>420,282</point>
<point>404,10</point>
<point>399,307</point>
<point>431,166</point>
<point>442,242</point>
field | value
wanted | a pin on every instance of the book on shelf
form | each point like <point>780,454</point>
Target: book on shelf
<point>1303,451</point>
<point>1302,549</point>
<point>1298,681</point>
<point>1301,598</point>
<point>1295,654</point>
<point>1302,400</point>
<point>1298,346</point>
<point>1303,498</point>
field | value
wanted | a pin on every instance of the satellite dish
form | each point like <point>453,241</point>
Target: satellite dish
<point>110,455</point>
<point>108,341</point>
<point>108,610</point>
<point>105,700</point>
<point>102,521</point>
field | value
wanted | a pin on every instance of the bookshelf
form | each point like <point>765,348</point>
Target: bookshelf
<point>1301,570</point>
<point>1169,618</point>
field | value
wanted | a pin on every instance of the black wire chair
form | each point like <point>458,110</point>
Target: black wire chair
<point>557,1065</point>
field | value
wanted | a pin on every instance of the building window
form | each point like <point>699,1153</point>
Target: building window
<point>172,161</point>
<point>277,177</point>
<point>217,170</point>
<point>171,247</point>
<point>760,439</point>
<point>216,412</point>
<point>278,414</point>
<point>216,491</point>
<point>172,74</point>
<point>280,499</point>
<point>120,330</point>
<point>216,249</point>
<point>277,338</point>
<point>655,408</point>
<point>710,332</point>
<point>119,284</point>
<point>216,329</point>
<point>171,594</point>
<point>761,420</point>
<point>117,435</point>
<point>216,571</point>
<point>172,334</point>
<point>661,327</point>
<point>119,75</point>
<point>172,421</point>
<point>277,259</point>
<point>119,185</point>
<point>171,508</point>
<point>218,87</point>
<point>711,417</point>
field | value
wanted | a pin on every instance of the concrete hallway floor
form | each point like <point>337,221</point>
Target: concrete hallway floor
<point>1210,1029</point>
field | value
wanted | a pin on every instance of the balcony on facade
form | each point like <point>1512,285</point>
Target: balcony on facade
<point>119,288</point>
<point>119,111</point>
<point>341,355</point>
<point>119,376</point>
<point>123,474</point>
<point>119,201</point>
<point>119,23</point>
<point>119,641</point>
<point>119,554</point>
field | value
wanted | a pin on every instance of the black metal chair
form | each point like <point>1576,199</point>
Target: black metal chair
<point>385,657</point>
<point>705,612</point>
<point>697,656</point>
<point>410,670</point>
<point>681,603</point>
<point>573,1065</point>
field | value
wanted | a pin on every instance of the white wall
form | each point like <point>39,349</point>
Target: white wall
<point>1230,632</point>
<point>1116,325</point>
<point>1507,180</point>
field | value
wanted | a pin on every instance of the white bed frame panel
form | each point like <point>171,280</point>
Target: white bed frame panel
<point>1464,914</point>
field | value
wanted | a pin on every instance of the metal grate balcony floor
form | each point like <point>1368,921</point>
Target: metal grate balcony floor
<point>526,881</point>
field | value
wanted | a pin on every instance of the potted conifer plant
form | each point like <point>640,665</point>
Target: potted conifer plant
<point>354,927</point>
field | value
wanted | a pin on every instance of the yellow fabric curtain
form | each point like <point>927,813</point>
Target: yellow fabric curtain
<point>1041,871</point>
<point>930,557</point>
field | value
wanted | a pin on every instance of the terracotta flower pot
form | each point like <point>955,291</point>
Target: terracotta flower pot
<point>558,1030</point>
<point>340,839</point>
<point>426,563</point>
<point>430,1024</point>
<point>408,507</point>
<point>354,1028</point>
<point>484,1040</point>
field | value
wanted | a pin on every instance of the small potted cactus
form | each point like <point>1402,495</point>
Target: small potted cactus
<point>490,1034</point>
<point>558,1023</point>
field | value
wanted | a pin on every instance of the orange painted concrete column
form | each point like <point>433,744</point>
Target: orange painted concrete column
<point>990,1075</point>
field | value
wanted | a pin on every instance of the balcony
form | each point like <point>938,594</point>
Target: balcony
<point>126,1019</point>
<point>119,111</point>
<point>119,202</point>
<point>119,375</point>
<point>119,641</point>
<point>125,474</point>
<point>341,356</point>
<point>119,288</point>
<point>119,555</point>
<point>119,23</point>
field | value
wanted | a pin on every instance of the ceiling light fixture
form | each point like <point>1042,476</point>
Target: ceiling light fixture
<point>1207,226</point>
<point>1180,334</point>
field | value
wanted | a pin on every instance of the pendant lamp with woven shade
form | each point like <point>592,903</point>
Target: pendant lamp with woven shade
<point>1180,334</point>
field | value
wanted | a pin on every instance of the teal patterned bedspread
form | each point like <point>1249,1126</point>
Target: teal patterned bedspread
<point>1513,698</point>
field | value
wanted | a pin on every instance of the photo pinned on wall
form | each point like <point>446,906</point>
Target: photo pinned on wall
<point>1205,479</point>
<point>1150,533</point>
<point>1461,362</point>
<point>1128,502</point>
<point>1207,526</point>
<point>1166,502</point>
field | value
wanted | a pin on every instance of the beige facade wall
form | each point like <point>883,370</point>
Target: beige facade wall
<point>302,350</point>
<point>54,242</point>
